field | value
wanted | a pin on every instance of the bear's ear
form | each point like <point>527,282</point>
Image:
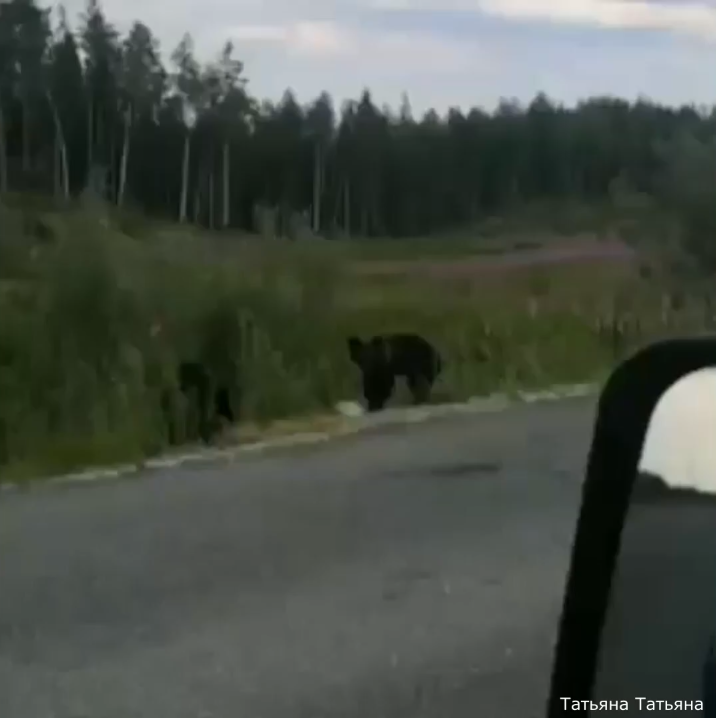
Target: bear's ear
<point>381,347</point>
<point>355,349</point>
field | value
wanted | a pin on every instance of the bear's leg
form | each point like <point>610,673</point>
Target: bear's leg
<point>205,427</point>
<point>223,410</point>
<point>420,387</point>
<point>195,385</point>
<point>377,391</point>
<point>169,413</point>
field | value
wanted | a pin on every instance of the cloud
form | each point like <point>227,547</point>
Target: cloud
<point>691,18</point>
<point>316,39</point>
<point>258,33</point>
<point>696,18</point>
<point>390,51</point>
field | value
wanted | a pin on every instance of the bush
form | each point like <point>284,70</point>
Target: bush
<point>95,322</point>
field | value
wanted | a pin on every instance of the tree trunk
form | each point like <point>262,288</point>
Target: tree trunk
<point>211,198</point>
<point>112,166</point>
<point>125,157</point>
<point>347,209</point>
<point>99,138</point>
<point>90,137</point>
<point>3,155</point>
<point>337,205</point>
<point>200,193</point>
<point>61,148</point>
<point>225,205</point>
<point>184,178</point>
<point>317,189</point>
<point>196,204</point>
<point>56,174</point>
<point>25,135</point>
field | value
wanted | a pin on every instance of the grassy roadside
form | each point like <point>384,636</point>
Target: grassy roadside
<point>94,320</point>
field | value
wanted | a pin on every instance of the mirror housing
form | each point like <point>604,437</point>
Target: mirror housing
<point>624,411</point>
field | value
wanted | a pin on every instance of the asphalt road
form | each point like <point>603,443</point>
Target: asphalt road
<point>408,573</point>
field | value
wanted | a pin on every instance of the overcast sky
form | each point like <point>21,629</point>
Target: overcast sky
<point>449,52</point>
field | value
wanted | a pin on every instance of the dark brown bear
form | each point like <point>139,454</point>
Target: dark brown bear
<point>386,357</point>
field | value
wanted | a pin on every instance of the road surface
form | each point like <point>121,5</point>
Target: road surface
<point>409,573</point>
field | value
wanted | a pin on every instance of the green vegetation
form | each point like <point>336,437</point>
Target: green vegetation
<point>132,237</point>
<point>95,320</point>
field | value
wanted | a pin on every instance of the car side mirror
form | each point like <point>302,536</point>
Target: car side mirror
<point>638,626</point>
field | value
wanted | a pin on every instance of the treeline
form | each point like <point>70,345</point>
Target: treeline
<point>85,109</point>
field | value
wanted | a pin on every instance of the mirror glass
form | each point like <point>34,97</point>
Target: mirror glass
<point>658,638</point>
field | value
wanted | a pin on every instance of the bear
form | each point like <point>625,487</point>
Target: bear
<point>385,357</point>
<point>208,403</point>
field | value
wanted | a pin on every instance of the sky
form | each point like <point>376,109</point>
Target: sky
<point>444,53</point>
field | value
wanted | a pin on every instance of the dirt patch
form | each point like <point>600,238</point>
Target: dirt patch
<point>324,423</point>
<point>470,266</point>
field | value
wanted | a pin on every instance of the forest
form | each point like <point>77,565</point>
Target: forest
<point>82,107</point>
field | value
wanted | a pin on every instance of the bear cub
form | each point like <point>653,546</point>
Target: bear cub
<point>210,403</point>
<point>385,357</point>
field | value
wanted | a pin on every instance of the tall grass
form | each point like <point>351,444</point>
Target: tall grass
<point>94,323</point>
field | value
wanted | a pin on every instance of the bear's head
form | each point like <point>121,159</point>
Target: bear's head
<point>371,355</point>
